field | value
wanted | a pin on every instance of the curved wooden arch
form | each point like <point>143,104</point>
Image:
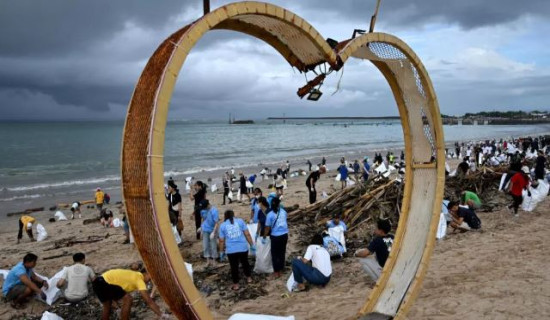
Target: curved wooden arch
<point>303,47</point>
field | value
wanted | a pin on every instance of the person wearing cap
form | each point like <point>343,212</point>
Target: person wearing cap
<point>118,284</point>
<point>310,183</point>
<point>209,228</point>
<point>21,282</point>
<point>25,222</point>
<point>99,198</point>
<point>518,183</point>
<point>174,206</point>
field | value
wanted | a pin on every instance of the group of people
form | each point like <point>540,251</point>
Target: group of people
<point>113,286</point>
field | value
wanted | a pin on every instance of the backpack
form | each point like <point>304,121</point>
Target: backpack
<point>333,247</point>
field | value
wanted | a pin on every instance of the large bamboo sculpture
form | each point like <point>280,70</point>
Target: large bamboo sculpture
<point>304,48</point>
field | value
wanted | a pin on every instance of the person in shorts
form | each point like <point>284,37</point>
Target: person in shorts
<point>21,282</point>
<point>118,284</point>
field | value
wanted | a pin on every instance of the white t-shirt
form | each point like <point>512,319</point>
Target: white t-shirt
<point>77,277</point>
<point>320,259</point>
<point>75,205</point>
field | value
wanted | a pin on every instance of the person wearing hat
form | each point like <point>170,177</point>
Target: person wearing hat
<point>518,183</point>
<point>99,198</point>
<point>310,183</point>
<point>25,222</point>
<point>209,228</point>
<point>174,206</point>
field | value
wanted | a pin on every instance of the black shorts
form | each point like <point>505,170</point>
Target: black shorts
<point>107,292</point>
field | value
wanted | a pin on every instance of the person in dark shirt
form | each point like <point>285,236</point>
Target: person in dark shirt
<point>540,163</point>
<point>463,219</point>
<point>381,246</point>
<point>198,195</point>
<point>463,167</point>
<point>310,183</point>
<point>174,206</point>
<point>242,186</point>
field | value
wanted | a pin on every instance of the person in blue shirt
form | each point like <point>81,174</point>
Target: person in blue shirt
<point>21,282</point>
<point>366,169</point>
<point>254,206</point>
<point>277,228</point>
<point>234,240</point>
<point>251,179</point>
<point>209,226</point>
<point>343,170</point>
<point>262,215</point>
<point>335,222</point>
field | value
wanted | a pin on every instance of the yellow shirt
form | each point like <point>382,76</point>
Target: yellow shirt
<point>26,219</point>
<point>99,196</point>
<point>128,280</point>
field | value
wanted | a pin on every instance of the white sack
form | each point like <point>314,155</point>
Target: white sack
<point>263,256</point>
<point>41,233</point>
<point>60,216</point>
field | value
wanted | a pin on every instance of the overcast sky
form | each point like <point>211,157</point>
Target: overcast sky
<point>79,59</point>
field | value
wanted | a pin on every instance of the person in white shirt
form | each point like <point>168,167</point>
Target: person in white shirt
<point>74,281</point>
<point>320,270</point>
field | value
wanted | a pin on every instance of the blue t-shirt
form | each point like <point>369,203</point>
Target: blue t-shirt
<point>252,179</point>
<point>331,224</point>
<point>255,206</point>
<point>209,219</point>
<point>279,225</point>
<point>235,240</point>
<point>343,170</point>
<point>13,277</point>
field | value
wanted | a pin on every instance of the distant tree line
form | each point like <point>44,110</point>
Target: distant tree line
<point>502,114</point>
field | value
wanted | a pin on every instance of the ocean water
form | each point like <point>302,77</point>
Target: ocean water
<point>45,162</point>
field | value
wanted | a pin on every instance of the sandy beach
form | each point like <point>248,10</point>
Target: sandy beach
<point>499,273</point>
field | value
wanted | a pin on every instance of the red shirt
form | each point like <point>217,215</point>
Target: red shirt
<point>519,182</point>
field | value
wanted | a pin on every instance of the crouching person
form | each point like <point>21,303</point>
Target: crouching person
<point>118,284</point>
<point>463,219</point>
<point>320,270</point>
<point>380,246</point>
<point>21,282</point>
<point>74,281</point>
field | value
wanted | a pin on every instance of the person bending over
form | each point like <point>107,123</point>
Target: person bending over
<point>462,218</point>
<point>118,284</point>
<point>320,270</point>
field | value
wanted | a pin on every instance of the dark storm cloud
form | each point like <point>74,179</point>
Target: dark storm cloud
<point>87,55</point>
<point>466,13</point>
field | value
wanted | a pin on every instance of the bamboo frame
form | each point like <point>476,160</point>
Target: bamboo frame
<point>143,148</point>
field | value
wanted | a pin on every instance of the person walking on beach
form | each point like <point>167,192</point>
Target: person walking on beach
<point>75,207</point>
<point>320,270</point>
<point>118,284</point>
<point>209,228</point>
<point>365,169</point>
<point>309,165</point>
<point>311,181</point>
<point>21,282</point>
<point>99,198</point>
<point>540,164</point>
<point>226,189</point>
<point>234,240</point>
<point>75,279</point>
<point>323,161</point>
<point>518,183</point>
<point>175,206</point>
<point>25,222</point>
<point>279,184</point>
<point>198,194</point>
<point>242,187</point>
<point>356,170</point>
<point>276,228</point>
<point>380,246</point>
<point>343,170</point>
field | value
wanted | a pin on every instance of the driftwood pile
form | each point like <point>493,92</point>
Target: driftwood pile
<point>361,206</point>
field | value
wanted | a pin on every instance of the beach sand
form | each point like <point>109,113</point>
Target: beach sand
<point>499,273</point>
